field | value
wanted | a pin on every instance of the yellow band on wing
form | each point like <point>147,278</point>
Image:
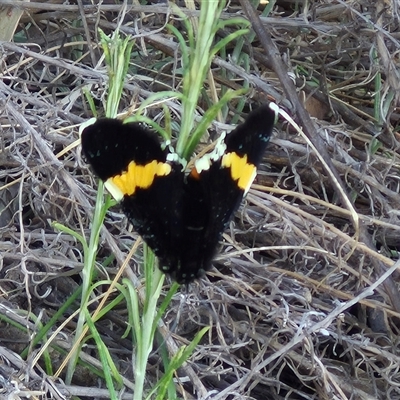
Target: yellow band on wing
<point>242,172</point>
<point>139,176</point>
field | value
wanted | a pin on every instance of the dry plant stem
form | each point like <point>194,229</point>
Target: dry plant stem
<point>91,10</point>
<point>85,73</point>
<point>87,31</point>
<point>73,69</point>
<point>280,69</point>
<point>368,249</point>
<point>324,226</point>
<point>58,390</point>
<point>344,111</point>
<point>17,361</point>
<point>304,333</point>
<point>386,58</point>
<point>333,207</point>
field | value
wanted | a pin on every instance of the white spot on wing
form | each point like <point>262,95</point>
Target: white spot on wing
<point>85,124</point>
<point>204,163</point>
<point>114,190</point>
<point>253,176</point>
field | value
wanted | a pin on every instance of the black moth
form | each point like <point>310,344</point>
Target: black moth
<point>181,215</point>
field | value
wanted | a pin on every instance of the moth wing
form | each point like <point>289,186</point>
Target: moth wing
<point>130,160</point>
<point>215,188</point>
